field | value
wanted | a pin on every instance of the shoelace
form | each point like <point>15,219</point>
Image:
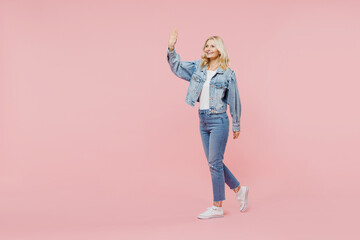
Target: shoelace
<point>240,196</point>
<point>210,208</point>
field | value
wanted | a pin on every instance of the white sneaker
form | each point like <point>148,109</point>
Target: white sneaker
<point>212,212</point>
<point>242,197</point>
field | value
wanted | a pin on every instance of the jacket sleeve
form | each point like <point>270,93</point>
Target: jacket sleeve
<point>182,69</point>
<point>234,103</point>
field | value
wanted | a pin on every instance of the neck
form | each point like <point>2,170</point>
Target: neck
<point>213,63</point>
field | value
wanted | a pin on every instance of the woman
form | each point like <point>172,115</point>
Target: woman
<point>213,84</point>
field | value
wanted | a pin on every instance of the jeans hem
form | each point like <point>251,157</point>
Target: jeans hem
<point>235,187</point>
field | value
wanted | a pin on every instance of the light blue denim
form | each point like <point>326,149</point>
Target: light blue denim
<point>223,86</point>
<point>214,130</point>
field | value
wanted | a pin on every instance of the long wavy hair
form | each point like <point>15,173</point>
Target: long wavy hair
<point>223,58</point>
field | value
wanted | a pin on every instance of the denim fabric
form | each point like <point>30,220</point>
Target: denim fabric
<point>214,130</point>
<point>223,86</point>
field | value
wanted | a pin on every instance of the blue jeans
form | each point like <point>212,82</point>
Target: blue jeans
<point>214,130</point>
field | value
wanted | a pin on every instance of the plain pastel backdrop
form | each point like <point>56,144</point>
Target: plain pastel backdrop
<point>97,142</point>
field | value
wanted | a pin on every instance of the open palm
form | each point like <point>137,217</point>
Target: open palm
<point>173,38</point>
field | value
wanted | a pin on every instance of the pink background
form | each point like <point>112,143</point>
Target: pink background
<point>96,141</point>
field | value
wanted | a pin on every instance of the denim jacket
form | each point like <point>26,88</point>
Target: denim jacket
<point>223,86</point>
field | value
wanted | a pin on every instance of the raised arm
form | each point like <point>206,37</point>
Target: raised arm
<point>182,69</point>
<point>234,103</point>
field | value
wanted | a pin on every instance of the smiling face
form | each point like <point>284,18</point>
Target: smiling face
<point>211,50</point>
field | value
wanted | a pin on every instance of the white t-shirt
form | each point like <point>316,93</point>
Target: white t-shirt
<point>204,95</point>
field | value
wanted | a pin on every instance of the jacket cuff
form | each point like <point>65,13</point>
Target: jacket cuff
<point>172,53</point>
<point>236,127</point>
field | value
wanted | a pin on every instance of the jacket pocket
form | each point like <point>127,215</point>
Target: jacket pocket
<point>221,85</point>
<point>196,77</point>
<point>220,89</point>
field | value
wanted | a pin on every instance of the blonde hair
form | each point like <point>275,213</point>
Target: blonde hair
<point>223,58</point>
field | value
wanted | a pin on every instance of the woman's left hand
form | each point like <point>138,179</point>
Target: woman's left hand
<point>236,134</point>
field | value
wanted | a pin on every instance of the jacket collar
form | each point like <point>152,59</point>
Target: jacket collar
<point>218,70</point>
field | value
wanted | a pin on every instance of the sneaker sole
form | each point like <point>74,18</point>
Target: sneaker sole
<point>246,199</point>
<point>211,217</point>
